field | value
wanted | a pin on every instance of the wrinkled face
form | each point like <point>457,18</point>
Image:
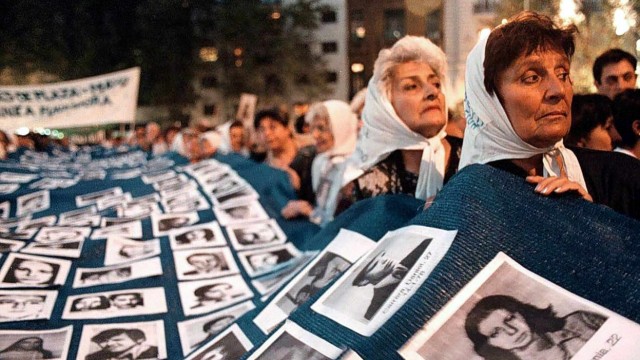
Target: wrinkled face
<point>536,94</point>
<point>417,99</point>
<point>118,343</point>
<point>34,272</point>
<point>320,129</point>
<point>616,78</point>
<point>506,330</point>
<point>204,262</point>
<point>275,134</point>
<point>236,136</point>
<point>30,344</point>
<point>19,306</point>
<point>125,301</point>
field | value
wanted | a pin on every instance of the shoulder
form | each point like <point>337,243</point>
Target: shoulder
<point>584,320</point>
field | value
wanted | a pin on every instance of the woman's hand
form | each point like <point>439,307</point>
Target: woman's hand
<point>295,208</point>
<point>557,185</point>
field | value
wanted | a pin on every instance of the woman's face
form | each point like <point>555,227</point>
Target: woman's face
<point>320,129</point>
<point>34,272</point>
<point>417,99</point>
<point>275,134</point>
<point>536,94</point>
<point>506,330</point>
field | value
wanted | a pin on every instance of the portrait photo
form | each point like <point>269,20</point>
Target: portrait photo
<point>137,211</point>
<point>255,235</point>
<point>293,342</point>
<point>197,236</point>
<point>33,202</point>
<point>157,176</point>
<point>133,341</point>
<point>261,261</point>
<point>35,224</point>
<point>10,245</point>
<point>111,201</point>
<point>93,197</point>
<point>119,250</point>
<point>163,224</point>
<point>6,189</point>
<point>249,212</point>
<point>204,263</point>
<point>512,314</point>
<point>5,208</point>
<point>198,331</point>
<point>49,234</point>
<point>68,249</point>
<point>233,197</point>
<point>131,229</point>
<point>85,277</point>
<point>22,270</point>
<point>204,296</point>
<point>231,344</point>
<point>112,304</point>
<point>185,202</point>
<point>21,305</point>
<point>38,344</point>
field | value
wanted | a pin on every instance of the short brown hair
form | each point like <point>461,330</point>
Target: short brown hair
<point>523,34</point>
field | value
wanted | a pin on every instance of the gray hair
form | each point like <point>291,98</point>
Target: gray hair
<point>407,49</point>
<point>315,110</point>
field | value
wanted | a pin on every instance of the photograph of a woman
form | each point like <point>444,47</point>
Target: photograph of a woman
<point>32,273</point>
<point>26,348</point>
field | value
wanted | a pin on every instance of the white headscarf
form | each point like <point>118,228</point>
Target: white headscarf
<point>384,132</point>
<point>489,135</point>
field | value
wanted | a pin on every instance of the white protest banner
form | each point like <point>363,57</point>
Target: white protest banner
<point>104,99</point>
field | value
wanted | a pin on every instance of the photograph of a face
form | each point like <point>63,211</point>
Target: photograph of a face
<point>120,250</point>
<point>131,229</point>
<point>231,344</point>
<point>51,234</point>
<point>255,235</point>
<point>185,202</point>
<point>138,211</point>
<point>110,304</point>
<point>236,196</point>
<point>508,312</point>
<point>33,202</point>
<point>197,236</point>
<point>85,277</point>
<point>38,344</point>
<point>203,296</point>
<point>19,234</point>
<point>5,207</point>
<point>249,212</point>
<point>163,224</point>
<point>158,176</point>
<point>111,201</point>
<point>35,224</point>
<point>68,249</point>
<point>22,270</point>
<point>10,245</point>
<point>204,263</point>
<point>139,340</point>
<point>262,261</point>
<point>21,305</point>
<point>198,331</point>
<point>71,216</point>
<point>92,198</point>
<point>293,342</point>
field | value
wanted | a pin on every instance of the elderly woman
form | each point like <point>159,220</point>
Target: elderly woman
<point>504,328</point>
<point>334,128</point>
<point>518,109</point>
<point>402,146</point>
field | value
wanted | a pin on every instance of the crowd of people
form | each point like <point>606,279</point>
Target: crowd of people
<point>399,136</point>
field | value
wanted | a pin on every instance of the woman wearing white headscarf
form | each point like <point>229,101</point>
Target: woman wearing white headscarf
<point>518,109</point>
<point>334,127</point>
<point>403,147</point>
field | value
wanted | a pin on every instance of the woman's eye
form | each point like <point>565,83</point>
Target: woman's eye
<point>564,76</point>
<point>494,334</point>
<point>531,79</point>
<point>409,87</point>
<point>437,85</point>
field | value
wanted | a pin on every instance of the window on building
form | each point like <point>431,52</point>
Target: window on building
<point>209,109</point>
<point>332,77</point>
<point>329,47</point>
<point>329,16</point>
<point>356,27</point>
<point>433,30</point>
<point>209,82</point>
<point>394,24</point>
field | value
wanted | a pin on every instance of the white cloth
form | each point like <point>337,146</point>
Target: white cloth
<point>384,132</point>
<point>625,151</point>
<point>225,137</point>
<point>489,135</point>
<point>178,145</point>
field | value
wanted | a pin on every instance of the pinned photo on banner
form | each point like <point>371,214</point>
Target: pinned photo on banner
<point>157,176</point>
<point>199,331</point>
<point>204,263</point>
<point>163,224</point>
<point>230,344</point>
<point>68,249</point>
<point>10,245</point>
<point>129,230</point>
<point>255,235</point>
<point>6,189</point>
<point>136,340</point>
<point>262,261</point>
<point>13,177</point>
<point>203,296</point>
<point>85,277</point>
<point>384,279</point>
<point>113,304</point>
<point>23,305</point>
<point>269,283</point>
<point>37,344</point>
<point>121,250</point>
<point>71,216</point>
<point>249,212</point>
<point>234,197</point>
<point>19,234</point>
<point>35,224</point>
<point>5,208</point>
<point>33,202</point>
<point>197,236</point>
<point>111,201</point>
<point>50,234</point>
<point>92,198</point>
<point>22,270</point>
<point>507,311</point>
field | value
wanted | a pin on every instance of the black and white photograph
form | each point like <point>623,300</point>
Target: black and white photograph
<point>19,234</point>
<point>5,208</point>
<point>88,220</point>
<point>93,197</point>
<point>10,245</point>
<point>112,304</point>
<point>231,344</point>
<point>151,198</point>
<point>112,221</point>
<point>508,312</point>
<point>262,261</point>
<point>6,189</point>
<point>197,236</point>
<point>385,278</point>
<point>51,234</point>
<point>170,182</point>
<point>68,248</point>
<point>33,202</point>
<point>293,342</point>
<point>37,344</point>
<point>85,277</point>
<point>249,212</point>
<point>35,224</point>
<point>52,184</point>
<point>111,201</point>
<point>345,249</point>
<point>217,184</point>
<point>132,341</point>
<point>13,221</point>
<point>185,202</point>
<point>22,270</point>
<point>120,250</point>
<point>236,196</point>
<point>204,263</point>
<point>21,305</point>
<point>199,331</point>
<point>255,235</point>
<point>203,296</point>
<point>13,177</point>
<point>73,215</point>
<point>158,176</point>
<point>163,224</point>
<point>126,174</point>
<point>130,230</point>
<point>269,283</point>
<point>138,210</point>
<point>177,188</point>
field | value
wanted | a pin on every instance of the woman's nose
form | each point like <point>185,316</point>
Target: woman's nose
<point>431,92</point>
<point>556,88</point>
